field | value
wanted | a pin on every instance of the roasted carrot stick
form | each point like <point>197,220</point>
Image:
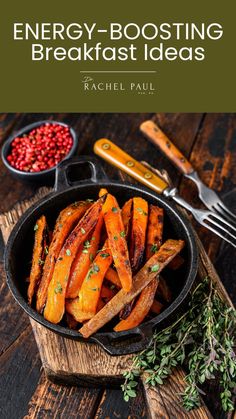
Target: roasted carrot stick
<point>150,270</point>
<point>176,263</point>
<point>82,261</point>
<point>64,224</point>
<point>138,232</point>
<point>164,290</point>
<point>91,288</point>
<point>72,323</point>
<point>140,309</point>
<point>144,302</point>
<point>112,276</point>
<point>103,191</point>
<point>126,213</point>
<point>85,306</point>
<point>117,241</point>
<point>55,305</point>
<point>154,230</point>
<point>156,307</point>
<point>38,256</point>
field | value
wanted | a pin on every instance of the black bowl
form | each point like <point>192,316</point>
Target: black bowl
<point>45,176</point>
<point>19,252</point>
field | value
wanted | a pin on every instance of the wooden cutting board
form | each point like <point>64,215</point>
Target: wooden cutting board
<point>69,362</point>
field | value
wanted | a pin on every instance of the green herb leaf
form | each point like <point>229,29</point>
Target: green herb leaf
<point>36,227</point>
<point>96,268</point>
<point>58,289</point>
<point>82,230</point>
<point>115,238</point>
<point>114,209</point>
<point>122,234</point>
<point>203,338</point>
<point>154,248</point>
<point>104,255</point>
<point>68,252</point>
<point>155,268</point>
<point>141,211</point>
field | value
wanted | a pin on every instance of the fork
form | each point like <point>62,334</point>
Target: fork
<point>207,195</point>
<point>123,161</point>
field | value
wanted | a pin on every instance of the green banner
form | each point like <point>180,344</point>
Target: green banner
<point>126,56</point>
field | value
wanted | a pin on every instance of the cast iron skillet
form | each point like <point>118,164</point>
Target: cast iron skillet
<point>19,250</point>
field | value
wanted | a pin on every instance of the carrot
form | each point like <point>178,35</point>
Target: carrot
<point>64,224</point>
<point>72,323</point>
<point>55,305</point>
<point>117,242</point>
<point>156,307</point>
<point>82,261</point>
<point>138,232</point>
<point>126,214</point>
<point>103,191</point>
<point>91,288</point>
<point>112,276</point>
<point>176,263</point>
<point>154,230</point>
<point>38,256</point>
<point>85,306</point>
<point>154,240</point>
<point>107,293</point>
<point>150,270</point>
<point>140,309</point>
<point>164,290</point>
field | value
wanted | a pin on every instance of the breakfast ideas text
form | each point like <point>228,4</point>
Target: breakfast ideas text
<point>148,42</point>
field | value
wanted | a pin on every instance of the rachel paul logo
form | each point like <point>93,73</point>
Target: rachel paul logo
<point>142,88</point>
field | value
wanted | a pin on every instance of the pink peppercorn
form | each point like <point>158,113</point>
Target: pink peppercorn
<point>41,149</point>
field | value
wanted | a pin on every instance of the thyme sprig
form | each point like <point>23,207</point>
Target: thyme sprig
<point>203,339</point>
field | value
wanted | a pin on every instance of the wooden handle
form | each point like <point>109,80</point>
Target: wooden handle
<point>157,137</point>
<point>117,157</point>
<point>164,401</point>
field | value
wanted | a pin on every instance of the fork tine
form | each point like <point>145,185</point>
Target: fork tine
<point>221,219</point>
<point>219,210</point>
<point>218,233</point>
<point>230,213</point>
<point>220,227</point>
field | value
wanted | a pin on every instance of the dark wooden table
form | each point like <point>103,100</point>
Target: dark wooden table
<point>209,140</point>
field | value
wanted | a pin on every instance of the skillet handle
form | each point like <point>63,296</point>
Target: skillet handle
<point>133,341</point>
<point>63,181</point>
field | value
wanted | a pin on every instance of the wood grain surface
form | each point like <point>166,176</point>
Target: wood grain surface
<point>209,142</point>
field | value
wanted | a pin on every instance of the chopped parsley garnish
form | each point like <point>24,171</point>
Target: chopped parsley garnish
<point>82,230</point>
<point>141,211</point>
<point>104,255</point>
<point>46,250</point>
<point>96,268</point>
<point>87,244</point>
<point>114,209</point>
<point>93,238</point>
<point>60,258</point>
<point>155,268</point>
<point>36,227</point>
<point>122,234</point>
<point>95,289</point>
<point>154,248</point>
<point>89,200</point>
<point>41,262</point>
<point>85,251</point>
<point>115,238</point>
<point>58,289</point>
<point>68,252</point>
